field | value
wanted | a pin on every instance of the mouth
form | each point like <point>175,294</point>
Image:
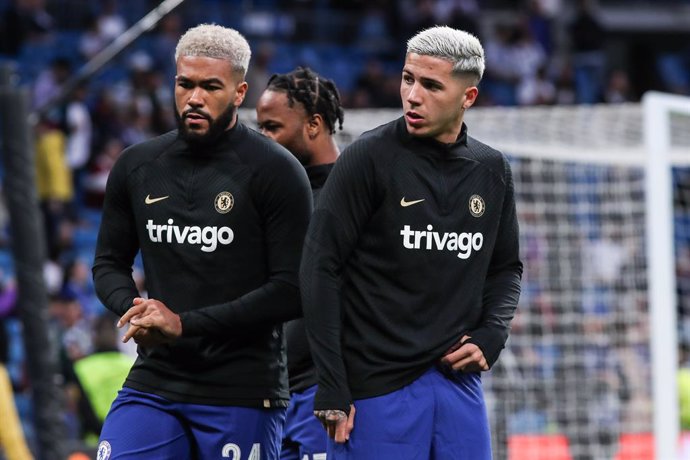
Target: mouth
<point>195,120</point>
<point>413,118</point>
<point>195,116</point>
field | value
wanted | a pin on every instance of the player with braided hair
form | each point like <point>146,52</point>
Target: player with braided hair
<point>306,102</point>
<point>300,110</point>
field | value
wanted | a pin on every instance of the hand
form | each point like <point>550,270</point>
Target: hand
<point>147,337</point>
<point>465,357</point>
<point>151,323</point>
<point>337,423</point>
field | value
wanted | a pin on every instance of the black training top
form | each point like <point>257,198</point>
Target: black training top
<point>300,365</point>
<point>412,244</point>
<point>220,233</point>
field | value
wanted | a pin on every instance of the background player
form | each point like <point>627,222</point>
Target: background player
<point>411,273</point>
<point>219,214</point>
<point>300,110</point>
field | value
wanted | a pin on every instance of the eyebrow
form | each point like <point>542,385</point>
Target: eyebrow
<point>207,81</point>
<point>425,80</point>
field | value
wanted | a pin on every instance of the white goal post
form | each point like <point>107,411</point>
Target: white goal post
<point>657,109</point>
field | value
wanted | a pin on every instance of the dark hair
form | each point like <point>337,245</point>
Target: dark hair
<point>318,95</point>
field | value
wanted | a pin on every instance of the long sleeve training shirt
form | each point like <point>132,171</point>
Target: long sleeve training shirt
<point>412,244</point>
<point>300,365</point>
<point>220,232</point>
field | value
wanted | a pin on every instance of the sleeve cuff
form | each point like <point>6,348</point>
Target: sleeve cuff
<point>489,341</point>
<point>325,400</point>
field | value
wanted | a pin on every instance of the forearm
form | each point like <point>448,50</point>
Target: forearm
<point>273,303</point>
<point>115,288</point>
<point>500,299</point>
<point>322,314</point>
<point>116,247</point>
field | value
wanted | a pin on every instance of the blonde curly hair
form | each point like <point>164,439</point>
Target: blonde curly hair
<point>218,42</point>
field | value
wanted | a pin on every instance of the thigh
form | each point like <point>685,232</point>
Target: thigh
<point>238,433</point>
<point>395,426</point>
<point>138,426</point>
<point>461,426</point>
<point>304,437</point>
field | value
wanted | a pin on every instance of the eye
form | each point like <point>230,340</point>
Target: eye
<point>432,86</point>
<point>408,79</point>
<point>268,127</point>
<point>186,84</point>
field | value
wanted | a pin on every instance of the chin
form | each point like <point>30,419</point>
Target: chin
<point>419,132</point>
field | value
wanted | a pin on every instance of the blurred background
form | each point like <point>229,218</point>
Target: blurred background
<point>577,373</point>
<point>538,51</point>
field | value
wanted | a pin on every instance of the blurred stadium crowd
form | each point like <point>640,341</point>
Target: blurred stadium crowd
<point>537,52</point>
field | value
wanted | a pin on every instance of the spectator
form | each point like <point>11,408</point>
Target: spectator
<point>371,89</point>
<point>78,126</point>
<point>12,442</point>
<point>502,75</point>
<point>537,89</point>
<point>99,376</point>
<point>618,88</point>
<point>49,82</point>
<point>164,40</point>
<point>111,24</point>
<point>258,74</point>
<point>72,328</point>
<point>97,175</point>
<point>587,39</point>
<point>540,25</point>
<point>23,21</point>
<point>463,14</point>
<point>91,41</point>
<point>565,85</point>
<point>55,187</point>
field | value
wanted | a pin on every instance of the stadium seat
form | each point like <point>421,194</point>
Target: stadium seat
<point>635,446</point>
<point>538,447</point>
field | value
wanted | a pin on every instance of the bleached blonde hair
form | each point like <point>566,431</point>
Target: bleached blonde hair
<point>218,42</point>
<point>462,49</point>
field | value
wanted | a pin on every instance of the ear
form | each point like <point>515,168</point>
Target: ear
<point>240,93</point>
<point>471,93</point>
<point>315,125</point>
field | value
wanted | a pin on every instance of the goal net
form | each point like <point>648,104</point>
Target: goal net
<point>577,380</point>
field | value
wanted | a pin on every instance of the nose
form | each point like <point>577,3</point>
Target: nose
<point>196,98</point>
<point>414,94</point>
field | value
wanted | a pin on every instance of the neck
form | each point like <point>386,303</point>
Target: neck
<point>325,151</point>
<point>232,122</point>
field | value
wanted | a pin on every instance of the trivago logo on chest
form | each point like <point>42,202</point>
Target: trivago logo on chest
<point>429,239</point>
<point>208,237</point>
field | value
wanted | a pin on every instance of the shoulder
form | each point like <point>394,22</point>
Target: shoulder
<point>270,162</point>
<point>254,147</point>
<point>488,156</point>
<point>135,155</point>
<point>382,133</point>
<point>377,144</point>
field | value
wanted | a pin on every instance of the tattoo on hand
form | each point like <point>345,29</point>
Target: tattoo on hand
<point>331,415</point>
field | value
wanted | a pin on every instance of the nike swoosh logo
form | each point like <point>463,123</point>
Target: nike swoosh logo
<point>405,204</point>
<point>150,200</point>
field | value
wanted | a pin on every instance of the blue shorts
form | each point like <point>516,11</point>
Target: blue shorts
<point>435,417</point>
<point>142,425</point>
<point>304,438</point>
